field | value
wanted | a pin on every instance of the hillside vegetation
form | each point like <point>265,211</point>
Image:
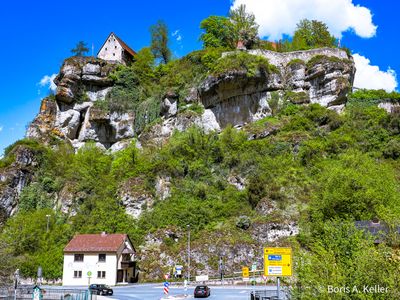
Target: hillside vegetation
<point>304,165</point>
<point>330,169</point>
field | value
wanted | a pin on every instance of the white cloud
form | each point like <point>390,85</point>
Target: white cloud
<point>176,34</point>
<point>277,18</point>
<point>371,77</point>
<point>48,81</point>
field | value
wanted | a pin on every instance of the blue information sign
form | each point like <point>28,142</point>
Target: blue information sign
<point>274,257</point>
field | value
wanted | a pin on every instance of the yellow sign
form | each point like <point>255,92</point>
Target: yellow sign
<point>245,271</point>
<point>278,261</point>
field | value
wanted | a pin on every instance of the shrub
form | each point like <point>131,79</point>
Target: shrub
<point>241,62</point>
<point>243,222</point>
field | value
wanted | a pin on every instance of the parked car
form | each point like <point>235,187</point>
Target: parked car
<point>202,291</point>
<point>101,289</point>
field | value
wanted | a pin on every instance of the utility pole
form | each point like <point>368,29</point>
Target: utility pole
<point>48,220</point>
<point>221,269</point>
<point>188,247</point>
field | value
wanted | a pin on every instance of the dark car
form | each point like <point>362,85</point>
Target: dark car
<point>100,289</point>
<point>202,291</point>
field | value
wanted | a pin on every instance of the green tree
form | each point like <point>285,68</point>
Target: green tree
<point>312,34</point>
<point>80,49</point>
<point>218,32</point>
<point>355,187</point>
<point>245,26</point>
<point>160,41</point>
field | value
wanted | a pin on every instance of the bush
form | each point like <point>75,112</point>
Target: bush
<point>243,222</point>
<point>369,95</point>
<point>242,62</point>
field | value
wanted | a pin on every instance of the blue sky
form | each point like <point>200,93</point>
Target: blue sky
<point>38,35</point>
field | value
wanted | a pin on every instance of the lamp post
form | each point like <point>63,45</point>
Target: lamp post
<point>188,253</point>
<point>48,220</point>
<point>16,279</point>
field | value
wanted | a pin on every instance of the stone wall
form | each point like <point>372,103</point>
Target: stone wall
<point>283,58</point>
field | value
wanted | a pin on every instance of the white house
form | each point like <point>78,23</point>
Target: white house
<point>99,258</point>
<point>114,49</point>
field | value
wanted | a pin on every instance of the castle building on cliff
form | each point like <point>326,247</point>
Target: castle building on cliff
<point>114,49</point>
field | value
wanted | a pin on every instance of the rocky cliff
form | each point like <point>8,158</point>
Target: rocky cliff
<point>14,177</point>
<point>323,76</point>
<point>71,115</point>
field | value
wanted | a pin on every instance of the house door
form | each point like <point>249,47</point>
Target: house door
<point>120,275</point>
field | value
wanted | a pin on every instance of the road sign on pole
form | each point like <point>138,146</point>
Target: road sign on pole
<point>278,262</point>
<point>245,272</point>
<point>166,287</point>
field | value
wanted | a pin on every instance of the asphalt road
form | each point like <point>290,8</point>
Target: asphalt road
<point>155,292</point>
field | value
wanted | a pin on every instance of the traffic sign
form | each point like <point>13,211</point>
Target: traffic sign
<point>245,272</point>
<point>277,261</point>
<point>254,267</point>
<point>264,277</point>
<point>166,288</point>
<point>89,273</point>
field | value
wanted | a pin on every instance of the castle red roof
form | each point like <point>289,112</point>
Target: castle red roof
<point>96,243</point>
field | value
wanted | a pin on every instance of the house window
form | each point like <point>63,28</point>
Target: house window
<point>77,274</point>
<point>78,257</point>
<point>101,274</point>
<point>113,54</point>
<point>115,47</point>
<point>102,257</point>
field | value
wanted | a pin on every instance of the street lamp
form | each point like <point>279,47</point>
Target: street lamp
<point>16,279</point>
<point>188,253</point>
<point>48,220</point>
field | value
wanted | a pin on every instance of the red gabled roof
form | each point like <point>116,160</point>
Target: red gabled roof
<point>125,46</point>
<point>96,243</point>
<point>122,43</point>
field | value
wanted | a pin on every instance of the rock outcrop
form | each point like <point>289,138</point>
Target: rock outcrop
<point>73,116</point>
<point>323,76</point>
<point>14,178</point>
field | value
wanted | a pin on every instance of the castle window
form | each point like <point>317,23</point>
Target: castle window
<point>106,48</point>
<point>113,54</point>
<point>115,47</point>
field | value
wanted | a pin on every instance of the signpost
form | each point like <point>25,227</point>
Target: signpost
<point>278,262</point>
<point>265,278</point>
<point>89,275</point>
<point>166,285</point>
<point>37,293</point>
<point>245,274</point>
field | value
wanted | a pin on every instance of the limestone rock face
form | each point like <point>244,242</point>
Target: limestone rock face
<point>14,178</point>
<point>133,198</point>
<point>159,133</point>
<point>72,116</point>
<point>322,76</point>
<point>83,77</point>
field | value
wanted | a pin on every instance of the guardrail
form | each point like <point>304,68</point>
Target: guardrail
<point>47,294</point>
<point>267,295</point>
